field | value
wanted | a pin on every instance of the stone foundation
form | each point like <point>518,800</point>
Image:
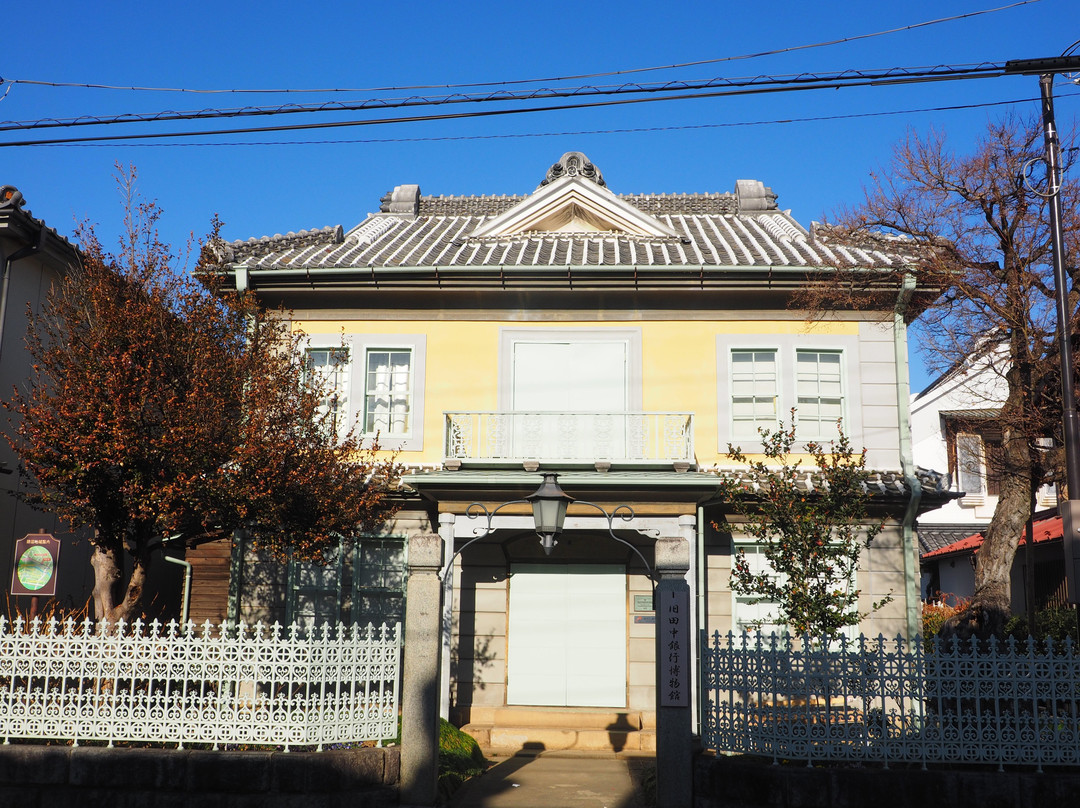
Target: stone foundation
<point>45,776</point>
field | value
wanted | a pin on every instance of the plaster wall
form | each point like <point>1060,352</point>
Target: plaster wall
<point>679,367</point>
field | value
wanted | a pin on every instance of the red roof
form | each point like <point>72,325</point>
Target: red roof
<point>1044,530</point>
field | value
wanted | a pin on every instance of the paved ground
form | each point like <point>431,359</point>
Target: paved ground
<point>557,780</point>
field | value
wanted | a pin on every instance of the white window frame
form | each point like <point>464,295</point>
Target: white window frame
<point>366,416</point>
<point>971,464</point>
<point>755,554</point>
<point>358,345</point>
<point>803,430</point>
<point>777,375</point>
<point>341,410</point>
<point>786,347</point>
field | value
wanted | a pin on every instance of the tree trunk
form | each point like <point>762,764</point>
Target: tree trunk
<point>991,604</point>
<point>108,564</point>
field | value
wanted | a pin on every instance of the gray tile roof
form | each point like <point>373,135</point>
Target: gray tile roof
<point>712,231</point>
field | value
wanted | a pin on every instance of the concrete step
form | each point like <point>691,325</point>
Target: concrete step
<point>509,729</point>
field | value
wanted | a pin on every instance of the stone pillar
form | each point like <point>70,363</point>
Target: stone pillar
<point>420,684</point>
<point>674,657</point>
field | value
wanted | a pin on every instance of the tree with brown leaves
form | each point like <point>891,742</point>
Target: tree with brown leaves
<point>163,407</point>
<point>979,226</point>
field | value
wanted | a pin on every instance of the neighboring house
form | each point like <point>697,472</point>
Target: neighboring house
<point>32,257</point>
<point>955,427</point>
<point>622,341</point>
<point>953,567</point>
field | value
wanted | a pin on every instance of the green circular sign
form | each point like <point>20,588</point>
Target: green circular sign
<point>35,567</point>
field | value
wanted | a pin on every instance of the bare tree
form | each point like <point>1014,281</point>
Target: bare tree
<point>978,229</point>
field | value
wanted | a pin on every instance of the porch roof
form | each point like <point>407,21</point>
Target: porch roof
<point>694,485</point>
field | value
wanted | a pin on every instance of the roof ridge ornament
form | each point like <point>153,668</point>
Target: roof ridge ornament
<point>574,164</point>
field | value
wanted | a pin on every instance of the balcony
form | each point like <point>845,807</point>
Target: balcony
<point>570,438</point>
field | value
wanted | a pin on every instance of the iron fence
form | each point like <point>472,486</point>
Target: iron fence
<point>213,685</point>
<point>891,700</point>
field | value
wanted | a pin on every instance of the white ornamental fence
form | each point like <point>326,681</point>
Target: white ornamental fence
<point>894,700</point>
<point>212,685</point>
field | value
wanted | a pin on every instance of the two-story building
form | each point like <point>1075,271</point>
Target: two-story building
<point>622,341</point>
<point>33,257</point>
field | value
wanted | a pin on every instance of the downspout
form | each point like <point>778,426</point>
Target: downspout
<point>907,462</point>
<point>702,624</point>
<point>186,607</point>
<point>238,547</point>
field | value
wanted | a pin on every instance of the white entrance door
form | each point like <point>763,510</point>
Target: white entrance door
<point>570,377</point>
<point>567,635</point>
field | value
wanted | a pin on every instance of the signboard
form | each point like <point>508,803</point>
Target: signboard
<point>643,603</point>
<point>34,570</point>
<point>673,626</point>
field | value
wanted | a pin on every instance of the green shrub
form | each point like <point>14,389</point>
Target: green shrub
<point>1056,623</point>
<point>459,758</point>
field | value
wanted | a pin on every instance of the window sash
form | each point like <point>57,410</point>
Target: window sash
<point>819,385</point>
<point>754,392</point>
<point>379,581</point>
<point>388,391</point>
<point>970,472</point>
<point>328,369</point>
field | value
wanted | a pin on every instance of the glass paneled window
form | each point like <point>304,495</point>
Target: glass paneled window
<point>329,369</point>
<point>969,464</point>
<point>315,592</point>
<point>754,613</point>
<point>379,581</point>
<point>819,387</point>
<point>753,392</point>
<point>388,391</point>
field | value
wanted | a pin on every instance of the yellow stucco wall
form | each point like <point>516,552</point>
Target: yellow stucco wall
<point>679,364</point>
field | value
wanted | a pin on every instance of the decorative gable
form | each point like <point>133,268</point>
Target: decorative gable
<point>573,199</point>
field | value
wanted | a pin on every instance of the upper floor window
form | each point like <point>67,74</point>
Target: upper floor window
<point>329,369</point>
<point>754,392</point>
<point>976,460</point>
<point>819,391</point>
<point>388,391</point>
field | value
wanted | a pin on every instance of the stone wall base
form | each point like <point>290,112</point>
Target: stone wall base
<point>46,776</point>
<point>736,782</point>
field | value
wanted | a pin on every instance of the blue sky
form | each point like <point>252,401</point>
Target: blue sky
<point>336,176</point>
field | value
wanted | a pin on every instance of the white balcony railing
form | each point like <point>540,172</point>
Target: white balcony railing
<point>571,437</point>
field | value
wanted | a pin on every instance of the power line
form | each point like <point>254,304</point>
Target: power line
<point>852,77</point>
<point>462,115</point>
<point>577,133</point>
<point>513,82</point>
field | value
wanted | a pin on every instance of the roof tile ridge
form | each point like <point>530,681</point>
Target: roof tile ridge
<point>331,234</point>
<point>455,197</point>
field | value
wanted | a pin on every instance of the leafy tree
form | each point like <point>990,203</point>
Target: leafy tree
<point>811,524</point>
<point>979,228</point>
<point>164,406</point>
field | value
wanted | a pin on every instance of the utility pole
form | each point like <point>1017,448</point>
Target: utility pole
<point>1046,69</point>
